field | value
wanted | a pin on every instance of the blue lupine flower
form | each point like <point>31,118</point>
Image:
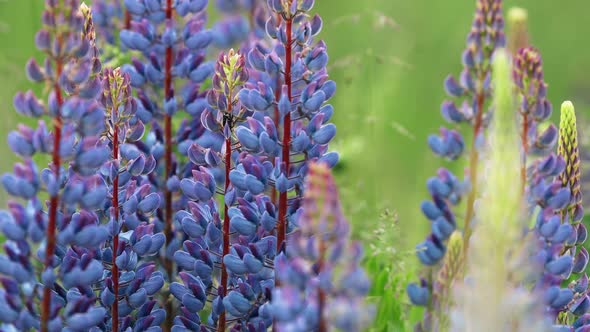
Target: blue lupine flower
<point>73,188</point>
<point>113,191</point>
<point>172,43</point>
<point>473,87</point>
<point>303,118</point>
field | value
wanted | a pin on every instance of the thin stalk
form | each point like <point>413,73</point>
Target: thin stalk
<point>169,94</point>
<point>115,203</point>
<point>221,323</point>
<point>54,200</point>
<point>282,227</point>
<point>473,168</point>
<point>127,20</point>
<point>286,156</point>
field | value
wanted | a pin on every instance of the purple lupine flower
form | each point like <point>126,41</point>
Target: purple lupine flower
<point>245,277</point>
<point>472,91</point>
<point>172,39</point>
<point>73,235</point>
<point>550,195</point>
<point>298,62</point>
<point>132,205</point>
<point>322,285</point>
<point>544,195</point>
<point>534,108</point>
<point>571,214</point>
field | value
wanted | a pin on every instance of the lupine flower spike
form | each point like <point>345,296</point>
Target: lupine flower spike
<point>572,213</point>
<point>172,38</point>
<point>301,103</point>
<point>242,246</point>
<point>126,175</point>
<point>132,208</point>
<point>322,284</point>
<point>230,76</point>
<point>446,189</point>
<point>534,109</point>
<point>70,259</point>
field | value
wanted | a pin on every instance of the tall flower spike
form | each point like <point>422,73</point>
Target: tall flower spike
<point>494,298</point>
<point>69,232</point>
<point>446,189</point>
<point>572,213</point>
<point>300,63</point>
<point>172,39</point>
<point>534,108</point>
<point>131,201</point>
<point>486,36</point>
<point>230,75</point>
<point>568,150</point>
<point>544,194</point>
<point>236,246</point>
<point>322,285</point>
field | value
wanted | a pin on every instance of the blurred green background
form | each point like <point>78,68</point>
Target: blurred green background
<point>389,58</point>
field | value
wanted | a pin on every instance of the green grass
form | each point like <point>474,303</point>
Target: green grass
<point>389,93</point>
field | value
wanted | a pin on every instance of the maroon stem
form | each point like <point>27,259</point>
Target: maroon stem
<point>127,20</point>
<point>221,323</point>
<point>115,203</point>
<point>282,226</point>
<point>286,159</point>
<point>54,200</point>
<point>169,94</point>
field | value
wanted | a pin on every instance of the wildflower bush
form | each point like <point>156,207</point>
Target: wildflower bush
<point>176,174</point>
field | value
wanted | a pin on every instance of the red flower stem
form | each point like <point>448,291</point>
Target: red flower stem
<point>54,200</point>
<point>282,221</point>
<point>127,20</point>
<point>169,94</point>
<point>282,226</point>
<point>115,203</point>
<point>525,151</point>
<point>473,168</point>
<point>221,323</point>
